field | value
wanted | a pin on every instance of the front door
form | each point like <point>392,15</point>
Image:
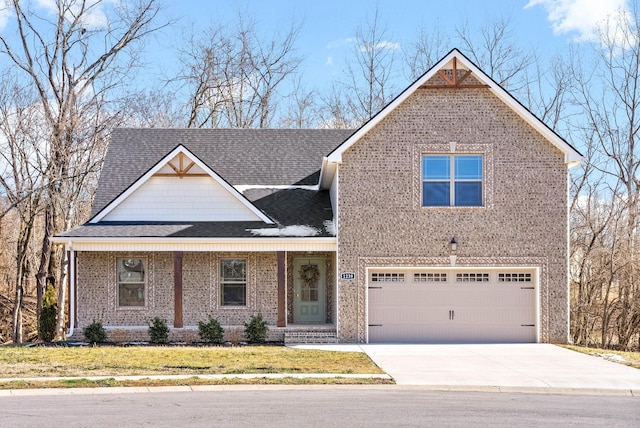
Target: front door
<point>309,277</point>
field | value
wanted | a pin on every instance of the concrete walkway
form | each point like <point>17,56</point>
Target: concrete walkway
<point>501,367</point>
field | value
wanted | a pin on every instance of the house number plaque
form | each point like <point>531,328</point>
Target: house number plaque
<point>347,275</point>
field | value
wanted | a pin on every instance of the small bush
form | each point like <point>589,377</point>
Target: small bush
<point>47,321</point>
<point>158,331</point>
<point>256,329</point>
<point>95,332</point>
<point>211,331</point>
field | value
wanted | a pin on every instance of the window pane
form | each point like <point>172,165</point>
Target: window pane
<point>233,270</point>
<point>468,194</point>
<point>130,294</point>
<point>435,167</point>
<point>468,167</point>
<point>435,194</point>
<point>234,294</point>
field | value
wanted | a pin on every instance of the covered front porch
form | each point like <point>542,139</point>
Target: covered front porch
<point>292,283</point>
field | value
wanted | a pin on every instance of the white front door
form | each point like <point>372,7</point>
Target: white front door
<point>309,278</point>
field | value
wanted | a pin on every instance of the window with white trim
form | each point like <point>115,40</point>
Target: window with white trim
<point>452,180</point>
<point>233,282</point>
<point>132,282</point>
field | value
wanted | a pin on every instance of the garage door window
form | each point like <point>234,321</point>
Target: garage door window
<point>387,277</point>
<point>429,277</point>
<point>452,180</point>
<point>472,277</point>
<point>514,277</point>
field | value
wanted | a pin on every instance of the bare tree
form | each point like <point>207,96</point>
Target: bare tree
<point>429,46</point>
<point>232,75</point>
<point>75,54</point>
<point>493,48</point>
<point>608,90</point>
<point>370,72</point>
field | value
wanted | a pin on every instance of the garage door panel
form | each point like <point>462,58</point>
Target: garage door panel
<point>409,315</point>
<point>482,308</point>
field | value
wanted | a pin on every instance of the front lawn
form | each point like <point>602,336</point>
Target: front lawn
<point>628,358</point>
<point>159,360</point>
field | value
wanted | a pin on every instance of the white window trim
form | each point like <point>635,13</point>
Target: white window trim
<point>459,149</point>
<point>453,180</point>
<point>145,261</point>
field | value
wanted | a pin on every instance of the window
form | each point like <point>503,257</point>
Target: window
<point>514,277</point>
<point>387,277</point>
<point>452,180</point>
<point>131,282</point>
<point>233,282</point>
<point>472,277</point>
<point>429,277</point>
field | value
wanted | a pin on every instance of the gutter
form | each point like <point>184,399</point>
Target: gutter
<point>71,275</point>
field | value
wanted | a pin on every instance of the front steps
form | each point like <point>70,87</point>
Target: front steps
<point>292,337</point>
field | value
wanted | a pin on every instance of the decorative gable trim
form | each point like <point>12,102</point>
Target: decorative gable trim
<point>186,166</point>
<point>455,61</point>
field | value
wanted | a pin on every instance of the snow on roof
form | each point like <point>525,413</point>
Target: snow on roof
<point>297,230</point>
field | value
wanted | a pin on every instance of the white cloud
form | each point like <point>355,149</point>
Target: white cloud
<point>583,17</point>
<point>329,61</point>
<point>382,45</point>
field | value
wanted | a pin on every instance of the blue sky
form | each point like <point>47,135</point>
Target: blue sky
<point>549,26</point>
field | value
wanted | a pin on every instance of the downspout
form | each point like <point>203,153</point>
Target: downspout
<point>72,287</point>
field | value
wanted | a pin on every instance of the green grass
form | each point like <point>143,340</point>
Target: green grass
<point>148,360</point>
<point>631,359</point>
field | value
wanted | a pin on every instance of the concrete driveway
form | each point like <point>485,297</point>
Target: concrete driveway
<point>503,367</point>
<point>499,367</point>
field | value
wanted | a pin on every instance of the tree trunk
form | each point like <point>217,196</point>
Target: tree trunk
<point>61,334</point>
<point>41,276</point>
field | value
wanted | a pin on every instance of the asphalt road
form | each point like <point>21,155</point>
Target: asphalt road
<point>318,407</point>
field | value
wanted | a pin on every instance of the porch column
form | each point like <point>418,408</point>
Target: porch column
<point>177,289</point>
<point>282,289</point>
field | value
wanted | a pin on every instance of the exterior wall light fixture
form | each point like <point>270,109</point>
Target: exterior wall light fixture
<point>454,244</point>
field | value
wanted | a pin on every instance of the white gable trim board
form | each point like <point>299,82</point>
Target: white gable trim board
<point>151,199</point>
<point>453,304</point>
<point>572,157</point>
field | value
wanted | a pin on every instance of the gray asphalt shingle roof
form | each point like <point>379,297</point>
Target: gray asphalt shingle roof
<point>240,156</point>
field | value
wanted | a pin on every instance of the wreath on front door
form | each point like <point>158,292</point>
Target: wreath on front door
<point>310,274</point>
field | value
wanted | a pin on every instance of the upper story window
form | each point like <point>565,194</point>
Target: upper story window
<point>452,180</point>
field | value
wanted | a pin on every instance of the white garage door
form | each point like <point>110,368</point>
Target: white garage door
<point>452,305</point>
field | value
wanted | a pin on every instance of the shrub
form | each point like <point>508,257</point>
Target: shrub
<point>47,321</point>
<point>95,332</point>
<point>211,331</point>
<point>158,331</point>
<point>256,329</point>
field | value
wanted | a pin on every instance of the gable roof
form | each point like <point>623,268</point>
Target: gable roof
<point>267,157</point>
<point>180,150</point>
<point>572,156</point>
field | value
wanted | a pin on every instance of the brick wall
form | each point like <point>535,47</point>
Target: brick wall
<point>97,291</point>
<point>523,222</point>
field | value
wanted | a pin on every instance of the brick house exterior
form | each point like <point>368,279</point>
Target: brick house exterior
<point>343,218</point>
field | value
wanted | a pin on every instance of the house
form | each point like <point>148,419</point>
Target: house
<point>442,219</point>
